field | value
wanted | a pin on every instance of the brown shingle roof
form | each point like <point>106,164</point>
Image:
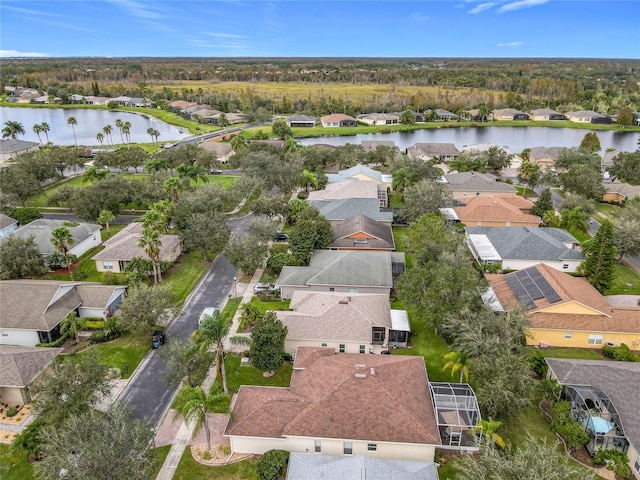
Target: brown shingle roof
<point>326,400</point>
<point>346,189</point>
<point>605,318</point>
<point>19,366</point>
<point>336,117</point>
<point>507,208</point>
<point>124,245</point>
<point>378,235</point>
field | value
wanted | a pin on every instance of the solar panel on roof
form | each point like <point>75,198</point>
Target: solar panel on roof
<point>519,291</point>
<point>543,285</point>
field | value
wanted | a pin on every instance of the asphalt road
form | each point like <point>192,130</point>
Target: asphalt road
<point>147,393</point>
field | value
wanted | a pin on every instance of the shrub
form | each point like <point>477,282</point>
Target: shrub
<point>622,353</point>
<point>113,328</point>
<point>551,389</point>
<point>110,278</point>
<point>25,215</point>
<point>29,439</point>
<point>272,464</point>
<point>12,411</point>
<point>92,324</point>
<point>538,363</point>
<point>55,344</point>
<point>98,337</point>
<point>567,427</point>
<point>614,460</point>
<point>277,261</point>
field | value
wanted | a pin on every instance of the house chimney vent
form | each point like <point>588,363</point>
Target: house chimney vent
<point>360,375</point>
<point>373,372</point>
<point>359,365</point>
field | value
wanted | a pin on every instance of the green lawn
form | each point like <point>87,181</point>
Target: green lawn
<point>528,192</point>
<point>264,306</point>
<point>14,467</point>
<point>185,275</point>
<point>400,237</point>
<point>627,282</point>
<point>161,455</point>
<point>574,353</point>
<point>128,350</point>
<point>237,375</point>
<point>230,308</point>
<point>608,210</point>
<point>189,469</point>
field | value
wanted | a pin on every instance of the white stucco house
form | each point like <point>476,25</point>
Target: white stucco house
<point>340,404</point>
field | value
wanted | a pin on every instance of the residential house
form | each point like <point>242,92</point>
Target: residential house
<point>442,152</point>
<point>544,157</point>
<point>346,271</point>
<point>343,209</point>
<point>340,404</point>
<point>223,151</point>
<point>94,100</point>
<point>277,144</point>
<point>365,174</point>
<point>587,116</point>
<point>350,189</point>
<point>620,192</point>
<point>297,121</point>
<point>604,400</point>
<point>509,114</point>
<point>516,248</point>
<point>476,117</point>
<point>311,466</point>
<point>497,211</point>
<point>546,114</point>
<point>20,368</point>
<point>336,120</point>
<point>564,311</point>
<point>181,105</point>
<point>345,322</point>
<point>123,247</point>
<point>607,162</point>
<point>474,184</point>
<point>122,100</point>
<point>7,225</point>
<point>443,115</point>
<point>10,148</point>
<point>379,118</point>
<point>23,95</point>
<point>85,235</point>
<point>370,145</point>
<point>139,102</point>
<point>361,233</point>
<point>204,115</point>
<point>232,118</point>
<point>510,170</point>
<point>32,310</point>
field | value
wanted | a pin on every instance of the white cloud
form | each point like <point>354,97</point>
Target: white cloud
<point>419,17</point>
<point>224,35</point>
<point>482,7</point>
<point>510,7</point>
<point>510,44</point>
<point>139,9</point>
<point>16,53</point>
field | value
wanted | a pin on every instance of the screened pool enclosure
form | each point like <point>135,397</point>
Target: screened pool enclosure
<point>457,413</point>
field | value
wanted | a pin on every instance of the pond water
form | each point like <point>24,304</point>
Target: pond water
<point>90,122</point>
<point>515,139</point>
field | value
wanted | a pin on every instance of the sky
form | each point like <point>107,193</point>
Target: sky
<point>307,28</point>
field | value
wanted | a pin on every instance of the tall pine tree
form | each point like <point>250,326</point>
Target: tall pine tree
<point>600,258</point>
<point>544,204</point>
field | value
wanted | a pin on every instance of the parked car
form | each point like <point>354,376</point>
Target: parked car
<point>264,288</point>
<point>158,338</point>
<point>215,171</point>
<point>280,237</point>
<point>209,311</point>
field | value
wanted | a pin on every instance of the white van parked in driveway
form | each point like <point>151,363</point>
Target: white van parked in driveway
<point>209,311</point>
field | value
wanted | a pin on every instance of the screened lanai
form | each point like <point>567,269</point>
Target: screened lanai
<point>595,412</point>
<point>457,412</point>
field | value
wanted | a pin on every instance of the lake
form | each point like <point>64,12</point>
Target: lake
<point>515,139</point>
<point>90,122</point>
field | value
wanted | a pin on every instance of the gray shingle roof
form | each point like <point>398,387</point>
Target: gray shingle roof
<point>343,267</point>
<point>476,182</point>
<point>310,466</point>
<point>619,380</point>
<point>41,230</point>
<point>435,149</point>
<point>19,366</point>
<point>541,152</point>
<point>6,221</point>
<point>529,243</point>
<point>344,208</point>
<point>124,245</point>
<point>343,175</point>
<point>369,145</point>
<point>15,145</point>
<point>380,235</point>
<point>301,118</point>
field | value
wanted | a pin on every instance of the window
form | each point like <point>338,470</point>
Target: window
<point>318,446</point>
<point>372,447</point>
<point>568,336</point>
<point>637,466</point>
<point>565,266</point>
<point>332,289</point>
<point>595,339</point>
<point>347,448</point>
<point>362,349</point>
<point>323,345</point>
<point>342,348</point>
<point>353,290</point>
<point>107,265</point>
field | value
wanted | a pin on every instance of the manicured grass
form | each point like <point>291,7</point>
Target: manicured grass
<point>264,306</point>
<point>14,467</point>
<point>127,350</point>
<point>186,274</point>
<point>230,308</point>
<point>608,210</point>
<point>528,192</point>
<point>172,119</point>
<point>627,282</point>
<point>425,343</point>
<point>574,353</point>
<point>580,235</point>
<point>400,237</point>
<point>189,469</point>
<point>237,375</point>
<point>395,200</point>
<point>161,455</point>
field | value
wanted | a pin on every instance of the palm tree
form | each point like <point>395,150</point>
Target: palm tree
<point>529,173</point>
<point>192,172</point>
<point>309,179</point>
<point>479,164</point>
<point>12,130</point>
<point>222,120</point>
<point>107,129</point>
<point>119,126</point>
<point>290,145</point>
<point>483,112</point>
<point>126,129</point>
<point>93,174</point>
<point>551,218</point>
<point>459,164</point>
<point>46,128</point>
<point>100,138</point>
<point>37,129</point>
<point>195,405</point>
<point>61,239</point>
<point>73,122</point>
<point>212,333</point>
<point>238,143</point>
<point>150,241</point>
<point>402,178</point>
<point>153,133</point>
<point>155,165</point>
<point>488,429</point>
<point>457,361</point>
<point>173,186</point>
<point>106,217</point>
<point>72,324</point>
<point>575,219</point>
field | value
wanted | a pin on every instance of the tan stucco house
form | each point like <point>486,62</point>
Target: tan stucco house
<point>474,184</point>
<point>497,211</point>
<point>340,404</point>
<point>336,120</point>
<point>123,247</point>
<point>20,368</point>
